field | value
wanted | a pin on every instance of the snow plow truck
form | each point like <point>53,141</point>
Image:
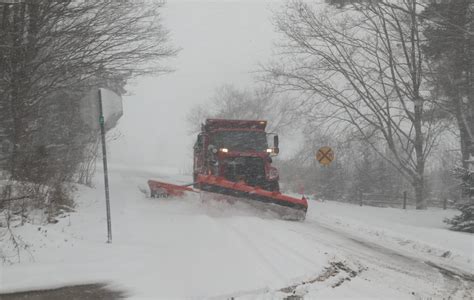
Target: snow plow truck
<point>233,158</point>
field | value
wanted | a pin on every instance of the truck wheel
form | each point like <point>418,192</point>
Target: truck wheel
<point>273,186</point>
<point>195,185</point>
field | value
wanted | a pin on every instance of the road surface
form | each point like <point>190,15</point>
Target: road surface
<point>183,248</point>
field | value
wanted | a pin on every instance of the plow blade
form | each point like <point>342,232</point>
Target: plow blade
<point>286,207</point>
<point>160,189</point>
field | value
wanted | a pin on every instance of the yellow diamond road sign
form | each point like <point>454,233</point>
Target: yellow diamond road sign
<point>325,155</point>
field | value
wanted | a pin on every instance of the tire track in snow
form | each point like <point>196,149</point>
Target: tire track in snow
<point>406,256</point>
<point>460,281</point>
<point>346,242</point>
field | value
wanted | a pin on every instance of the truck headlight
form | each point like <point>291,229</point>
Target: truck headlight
<point>272,151</point>
<point>224,150</point>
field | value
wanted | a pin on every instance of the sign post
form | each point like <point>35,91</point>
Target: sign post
<point>106,174</point>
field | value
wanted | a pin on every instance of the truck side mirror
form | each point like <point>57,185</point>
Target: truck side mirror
<point>276,150</point>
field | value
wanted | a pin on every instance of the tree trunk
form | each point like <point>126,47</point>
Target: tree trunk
<point>419,187</point>
<point>464,136</point>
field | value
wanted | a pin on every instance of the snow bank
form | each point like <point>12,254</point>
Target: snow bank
<point>417,231</point>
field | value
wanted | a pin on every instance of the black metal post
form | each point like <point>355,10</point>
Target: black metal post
<point>404,199</point>
<point>106,174</point>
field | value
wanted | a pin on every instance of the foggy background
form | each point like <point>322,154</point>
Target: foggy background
<point>221,42</point>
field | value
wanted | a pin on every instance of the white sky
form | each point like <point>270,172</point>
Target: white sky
<point>222,42</point>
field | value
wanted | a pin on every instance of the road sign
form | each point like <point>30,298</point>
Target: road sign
<point>112,109</point>
<point>325,155</point>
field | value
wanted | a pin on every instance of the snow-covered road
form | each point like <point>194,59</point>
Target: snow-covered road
<point>187,248</point>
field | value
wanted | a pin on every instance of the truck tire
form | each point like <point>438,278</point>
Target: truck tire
<point>273,186</point>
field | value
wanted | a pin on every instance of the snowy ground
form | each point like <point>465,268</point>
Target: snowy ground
<point>187,248</point>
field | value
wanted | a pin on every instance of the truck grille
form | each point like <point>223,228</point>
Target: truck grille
<point>249,169</point>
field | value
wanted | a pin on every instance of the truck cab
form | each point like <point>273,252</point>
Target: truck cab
<point>237,150</point>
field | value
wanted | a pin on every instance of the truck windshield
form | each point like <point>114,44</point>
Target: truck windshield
<point>241,140</point>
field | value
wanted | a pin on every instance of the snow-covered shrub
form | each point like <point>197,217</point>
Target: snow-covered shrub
<point>45,202</point>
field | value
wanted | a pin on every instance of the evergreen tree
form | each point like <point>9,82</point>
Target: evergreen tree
<point>450,46</point>
<point>464,221</point>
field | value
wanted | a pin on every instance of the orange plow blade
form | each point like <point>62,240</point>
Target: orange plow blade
<point>160,189</point>
<point>286,207</point>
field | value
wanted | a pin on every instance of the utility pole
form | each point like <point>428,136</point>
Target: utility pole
<point>106,174</point>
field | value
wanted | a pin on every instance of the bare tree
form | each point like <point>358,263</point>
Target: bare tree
<point>52,53</point>
<point>362,70</point>
<point>229,102</point>
<point>49,47</point>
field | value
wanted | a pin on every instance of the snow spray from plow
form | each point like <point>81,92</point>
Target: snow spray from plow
<point>234,158</point>
<point>288,208</point>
